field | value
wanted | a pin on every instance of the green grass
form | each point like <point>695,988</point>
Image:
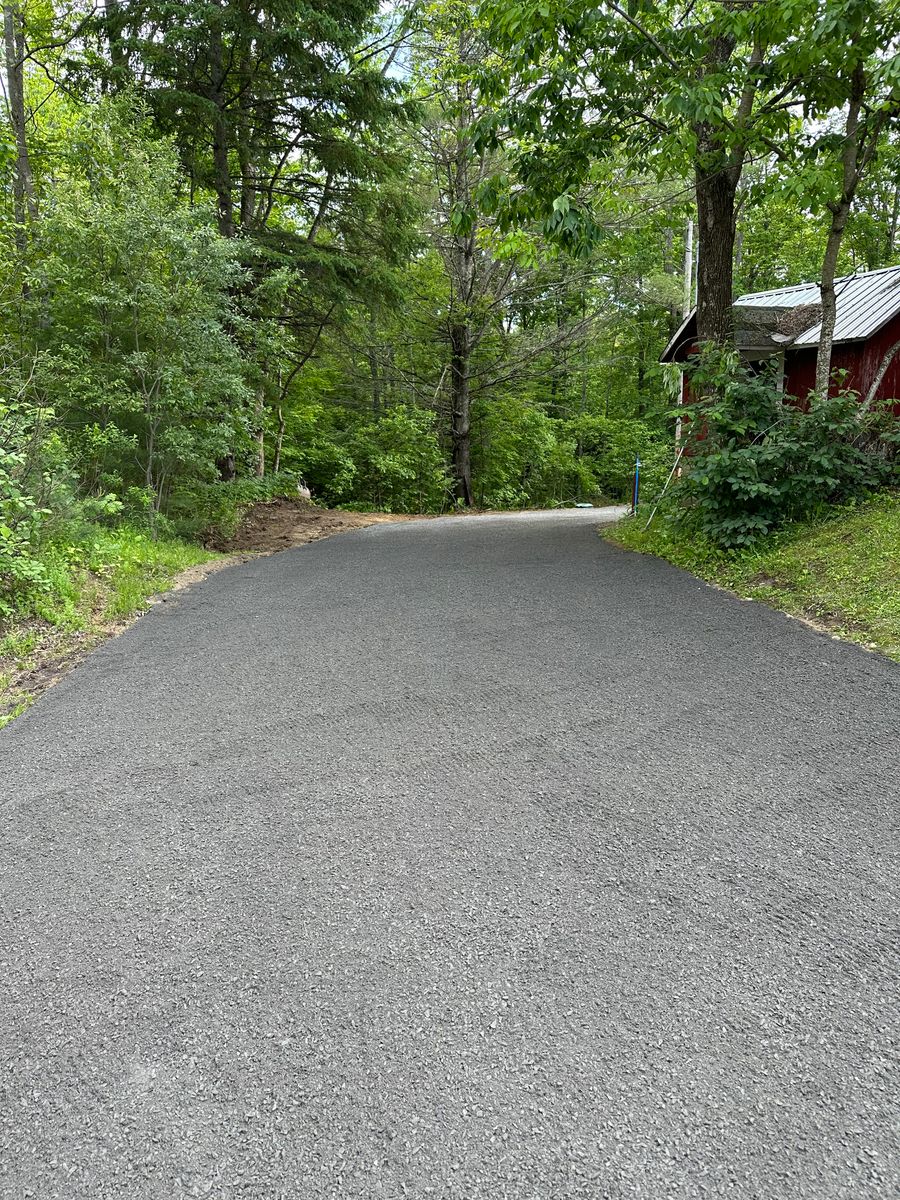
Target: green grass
<point>108,572</point>
<point>95,578</point>
<point>842,573</point>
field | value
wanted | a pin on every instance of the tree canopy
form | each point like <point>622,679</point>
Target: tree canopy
<point>420,257</point>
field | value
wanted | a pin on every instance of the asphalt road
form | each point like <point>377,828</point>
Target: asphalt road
<point>471,859</point>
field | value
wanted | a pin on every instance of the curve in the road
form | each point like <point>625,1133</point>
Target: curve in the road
<point>465,859</point>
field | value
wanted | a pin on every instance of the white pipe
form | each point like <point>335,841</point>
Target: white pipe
<point>688,266</point>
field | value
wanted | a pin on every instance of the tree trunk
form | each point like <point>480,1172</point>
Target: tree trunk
<point>840,210</point>
<point>249,195</point>
<point>279,441</point>
<point>687,303</point>
<point>461,348</point>
<point>376,383</point>
<point>717,173</point>
<point>322,210</point>
<point>388,379</point>
<point>716,189</point>
<point>248,191</point>
<point>584,355</point>
<point>828,298</point>
<point>259,413</point>
<point>114,24</point>
<point>372,360</point>
<point>24,204</point>
<point>151,482</point>
<point>221,168</point>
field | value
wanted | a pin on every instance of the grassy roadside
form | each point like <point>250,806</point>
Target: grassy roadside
<point>93,586</point>
<point>842,573</point>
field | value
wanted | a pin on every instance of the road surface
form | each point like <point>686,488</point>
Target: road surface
<point>470,859</point>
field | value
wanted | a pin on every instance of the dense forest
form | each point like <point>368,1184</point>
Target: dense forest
<point>420,256</point>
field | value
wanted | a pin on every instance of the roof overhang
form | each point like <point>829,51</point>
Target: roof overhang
<point>683,337</point>
<point>866,303</point>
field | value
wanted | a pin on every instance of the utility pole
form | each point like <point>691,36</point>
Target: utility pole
<point>688,267</point>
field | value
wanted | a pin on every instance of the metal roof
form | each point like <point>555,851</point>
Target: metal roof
<point>865,303</point>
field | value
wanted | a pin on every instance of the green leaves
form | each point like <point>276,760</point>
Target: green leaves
<point>757,460</point>
<point>22,515</point>
<point>133,309</point>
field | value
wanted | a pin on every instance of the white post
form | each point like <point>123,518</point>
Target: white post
<point>688,267</point>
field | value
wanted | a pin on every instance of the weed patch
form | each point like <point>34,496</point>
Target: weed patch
<point>842,573</point>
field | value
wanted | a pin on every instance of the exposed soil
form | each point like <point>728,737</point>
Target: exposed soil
<point>54,651</point>
<point>279,524</point>
<point>266,528</point>
<point>54,654</point>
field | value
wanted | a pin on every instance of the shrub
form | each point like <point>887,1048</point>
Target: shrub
<point>211,511</point>
<point>21,512</point>
<point>514,442</point>
<point>757,460</point>
<point>612,444</point>
<point>399,464</point>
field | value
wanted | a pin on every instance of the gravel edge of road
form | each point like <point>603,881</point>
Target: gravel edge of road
<point>62,651</point>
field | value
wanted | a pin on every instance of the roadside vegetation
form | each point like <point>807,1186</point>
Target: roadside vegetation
<point>841,572</point>
<point>784,503</point>
<point>389,250</point>
<point>88,582</point>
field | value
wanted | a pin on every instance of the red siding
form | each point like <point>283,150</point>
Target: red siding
<point>860,361</point>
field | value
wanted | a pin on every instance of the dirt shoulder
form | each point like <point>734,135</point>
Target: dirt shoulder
<point>280,524</point>
<point>840,575</point>
<point>41,653</point>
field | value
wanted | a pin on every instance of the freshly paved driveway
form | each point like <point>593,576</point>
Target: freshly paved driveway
<point>470,859</point>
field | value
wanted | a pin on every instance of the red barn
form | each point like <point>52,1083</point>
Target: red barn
<point>785,324</point>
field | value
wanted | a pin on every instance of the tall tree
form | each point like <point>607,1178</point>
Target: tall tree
<point>446,64</point>
<point>854,71</point>
<point>694,91</point>
<point>488,275</point>
<point>287,115</point>
<point>272,102</point>
<point>25,204</point>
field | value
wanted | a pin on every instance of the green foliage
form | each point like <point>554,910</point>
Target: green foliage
<point>659,90</point>
<point>780,246</point>
<point>21,512</point>
<point>756,462</point>
<point>210,511</point>
<point>519,461</point>
<point>315,447</point>
<point>842,572</point>
<point>398,463</point>
<point>612,446</point>
<point>132,310</point>
<point>88,573</point>
<point>91,577</point>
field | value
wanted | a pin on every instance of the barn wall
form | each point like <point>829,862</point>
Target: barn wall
<point>799,373</point>
<point>873,355</point>
<point>860,360</point>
